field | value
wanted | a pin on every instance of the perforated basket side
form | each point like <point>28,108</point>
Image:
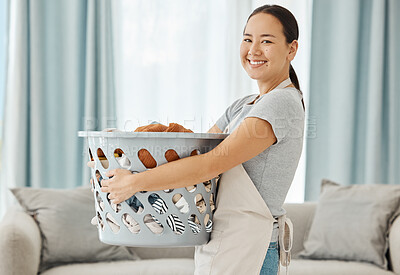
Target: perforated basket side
<point>145,237</point>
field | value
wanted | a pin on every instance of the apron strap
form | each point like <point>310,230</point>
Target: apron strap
<point>285,240</point>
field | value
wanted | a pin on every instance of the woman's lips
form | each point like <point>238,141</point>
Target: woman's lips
<point>256,63</point>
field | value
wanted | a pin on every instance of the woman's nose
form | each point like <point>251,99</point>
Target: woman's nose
<point>254,50</point>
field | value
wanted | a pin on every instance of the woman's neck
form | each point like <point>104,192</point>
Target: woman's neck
<point>266,87</point>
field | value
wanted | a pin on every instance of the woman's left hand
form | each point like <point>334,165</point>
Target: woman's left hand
<point>120,185</point>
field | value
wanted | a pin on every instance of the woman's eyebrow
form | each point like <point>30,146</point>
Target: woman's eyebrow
<point>262,35</point>
<point>266,34</point>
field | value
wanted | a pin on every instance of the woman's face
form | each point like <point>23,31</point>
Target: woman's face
<point>264,52</point>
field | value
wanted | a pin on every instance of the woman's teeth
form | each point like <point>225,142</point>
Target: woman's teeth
<point>256,62</point>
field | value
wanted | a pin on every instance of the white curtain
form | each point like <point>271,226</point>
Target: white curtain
<point>178,61</point>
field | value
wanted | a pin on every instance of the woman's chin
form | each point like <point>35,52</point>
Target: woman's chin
<point>255,77</point>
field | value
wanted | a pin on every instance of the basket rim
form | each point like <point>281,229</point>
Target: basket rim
<point>152,135</point>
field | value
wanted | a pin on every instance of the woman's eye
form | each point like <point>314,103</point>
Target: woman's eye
<point>246,40</point>
<point>266,41</point>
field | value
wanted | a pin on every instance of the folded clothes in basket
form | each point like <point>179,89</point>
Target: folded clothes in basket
<point>160,207</point>
<point>144,155</point>
<point>173,221</point>
<point>158,127</point>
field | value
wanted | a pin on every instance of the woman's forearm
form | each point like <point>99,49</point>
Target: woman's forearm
<point>176,174</point>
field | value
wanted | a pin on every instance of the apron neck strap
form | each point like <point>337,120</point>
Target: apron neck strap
<point>283,84</point>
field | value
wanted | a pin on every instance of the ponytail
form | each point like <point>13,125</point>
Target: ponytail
<point>295,81</point>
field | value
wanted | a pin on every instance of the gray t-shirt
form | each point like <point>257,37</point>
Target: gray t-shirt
<point>272,171</point>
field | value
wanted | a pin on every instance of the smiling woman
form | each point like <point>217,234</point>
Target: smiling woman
<point>178,62</point>
<point>265,129</point>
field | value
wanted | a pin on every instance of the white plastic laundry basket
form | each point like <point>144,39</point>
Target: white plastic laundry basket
<point>166,218</point>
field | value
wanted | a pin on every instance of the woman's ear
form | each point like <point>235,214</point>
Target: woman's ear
<point>292,50</point>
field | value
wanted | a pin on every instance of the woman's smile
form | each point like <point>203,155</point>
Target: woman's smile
<point>256,63</point>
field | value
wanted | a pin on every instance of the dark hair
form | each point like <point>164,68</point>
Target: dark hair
<point>290,30</point>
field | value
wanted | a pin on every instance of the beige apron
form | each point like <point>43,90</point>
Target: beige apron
<point>242,226</point>
<point>242,229</point>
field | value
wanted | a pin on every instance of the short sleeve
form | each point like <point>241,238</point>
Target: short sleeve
<point>229,113</point>
<point>282,110</point>
<point>223,121</point>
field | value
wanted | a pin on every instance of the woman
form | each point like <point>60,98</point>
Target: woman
<point>266,129</point>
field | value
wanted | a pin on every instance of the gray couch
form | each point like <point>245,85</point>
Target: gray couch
<point>19,235</point>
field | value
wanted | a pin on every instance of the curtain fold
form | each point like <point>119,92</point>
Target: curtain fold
<point>59,81</point>
<point>354,94</point>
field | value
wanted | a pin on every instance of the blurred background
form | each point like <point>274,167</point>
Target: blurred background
<point>69,65</point>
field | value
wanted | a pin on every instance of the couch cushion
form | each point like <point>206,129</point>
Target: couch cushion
<point>63,217</point>
<point>20,243</point>
<point>307,267</point>
<point>301,215</point>
<point>164,252</point>
<point>351,223</point>
<point>147,267</point>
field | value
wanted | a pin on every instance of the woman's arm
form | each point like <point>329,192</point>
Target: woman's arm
<point>252,137</point>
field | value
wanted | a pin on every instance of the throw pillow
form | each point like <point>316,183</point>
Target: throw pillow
<point>63,217</point>
<point>352,223</point>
